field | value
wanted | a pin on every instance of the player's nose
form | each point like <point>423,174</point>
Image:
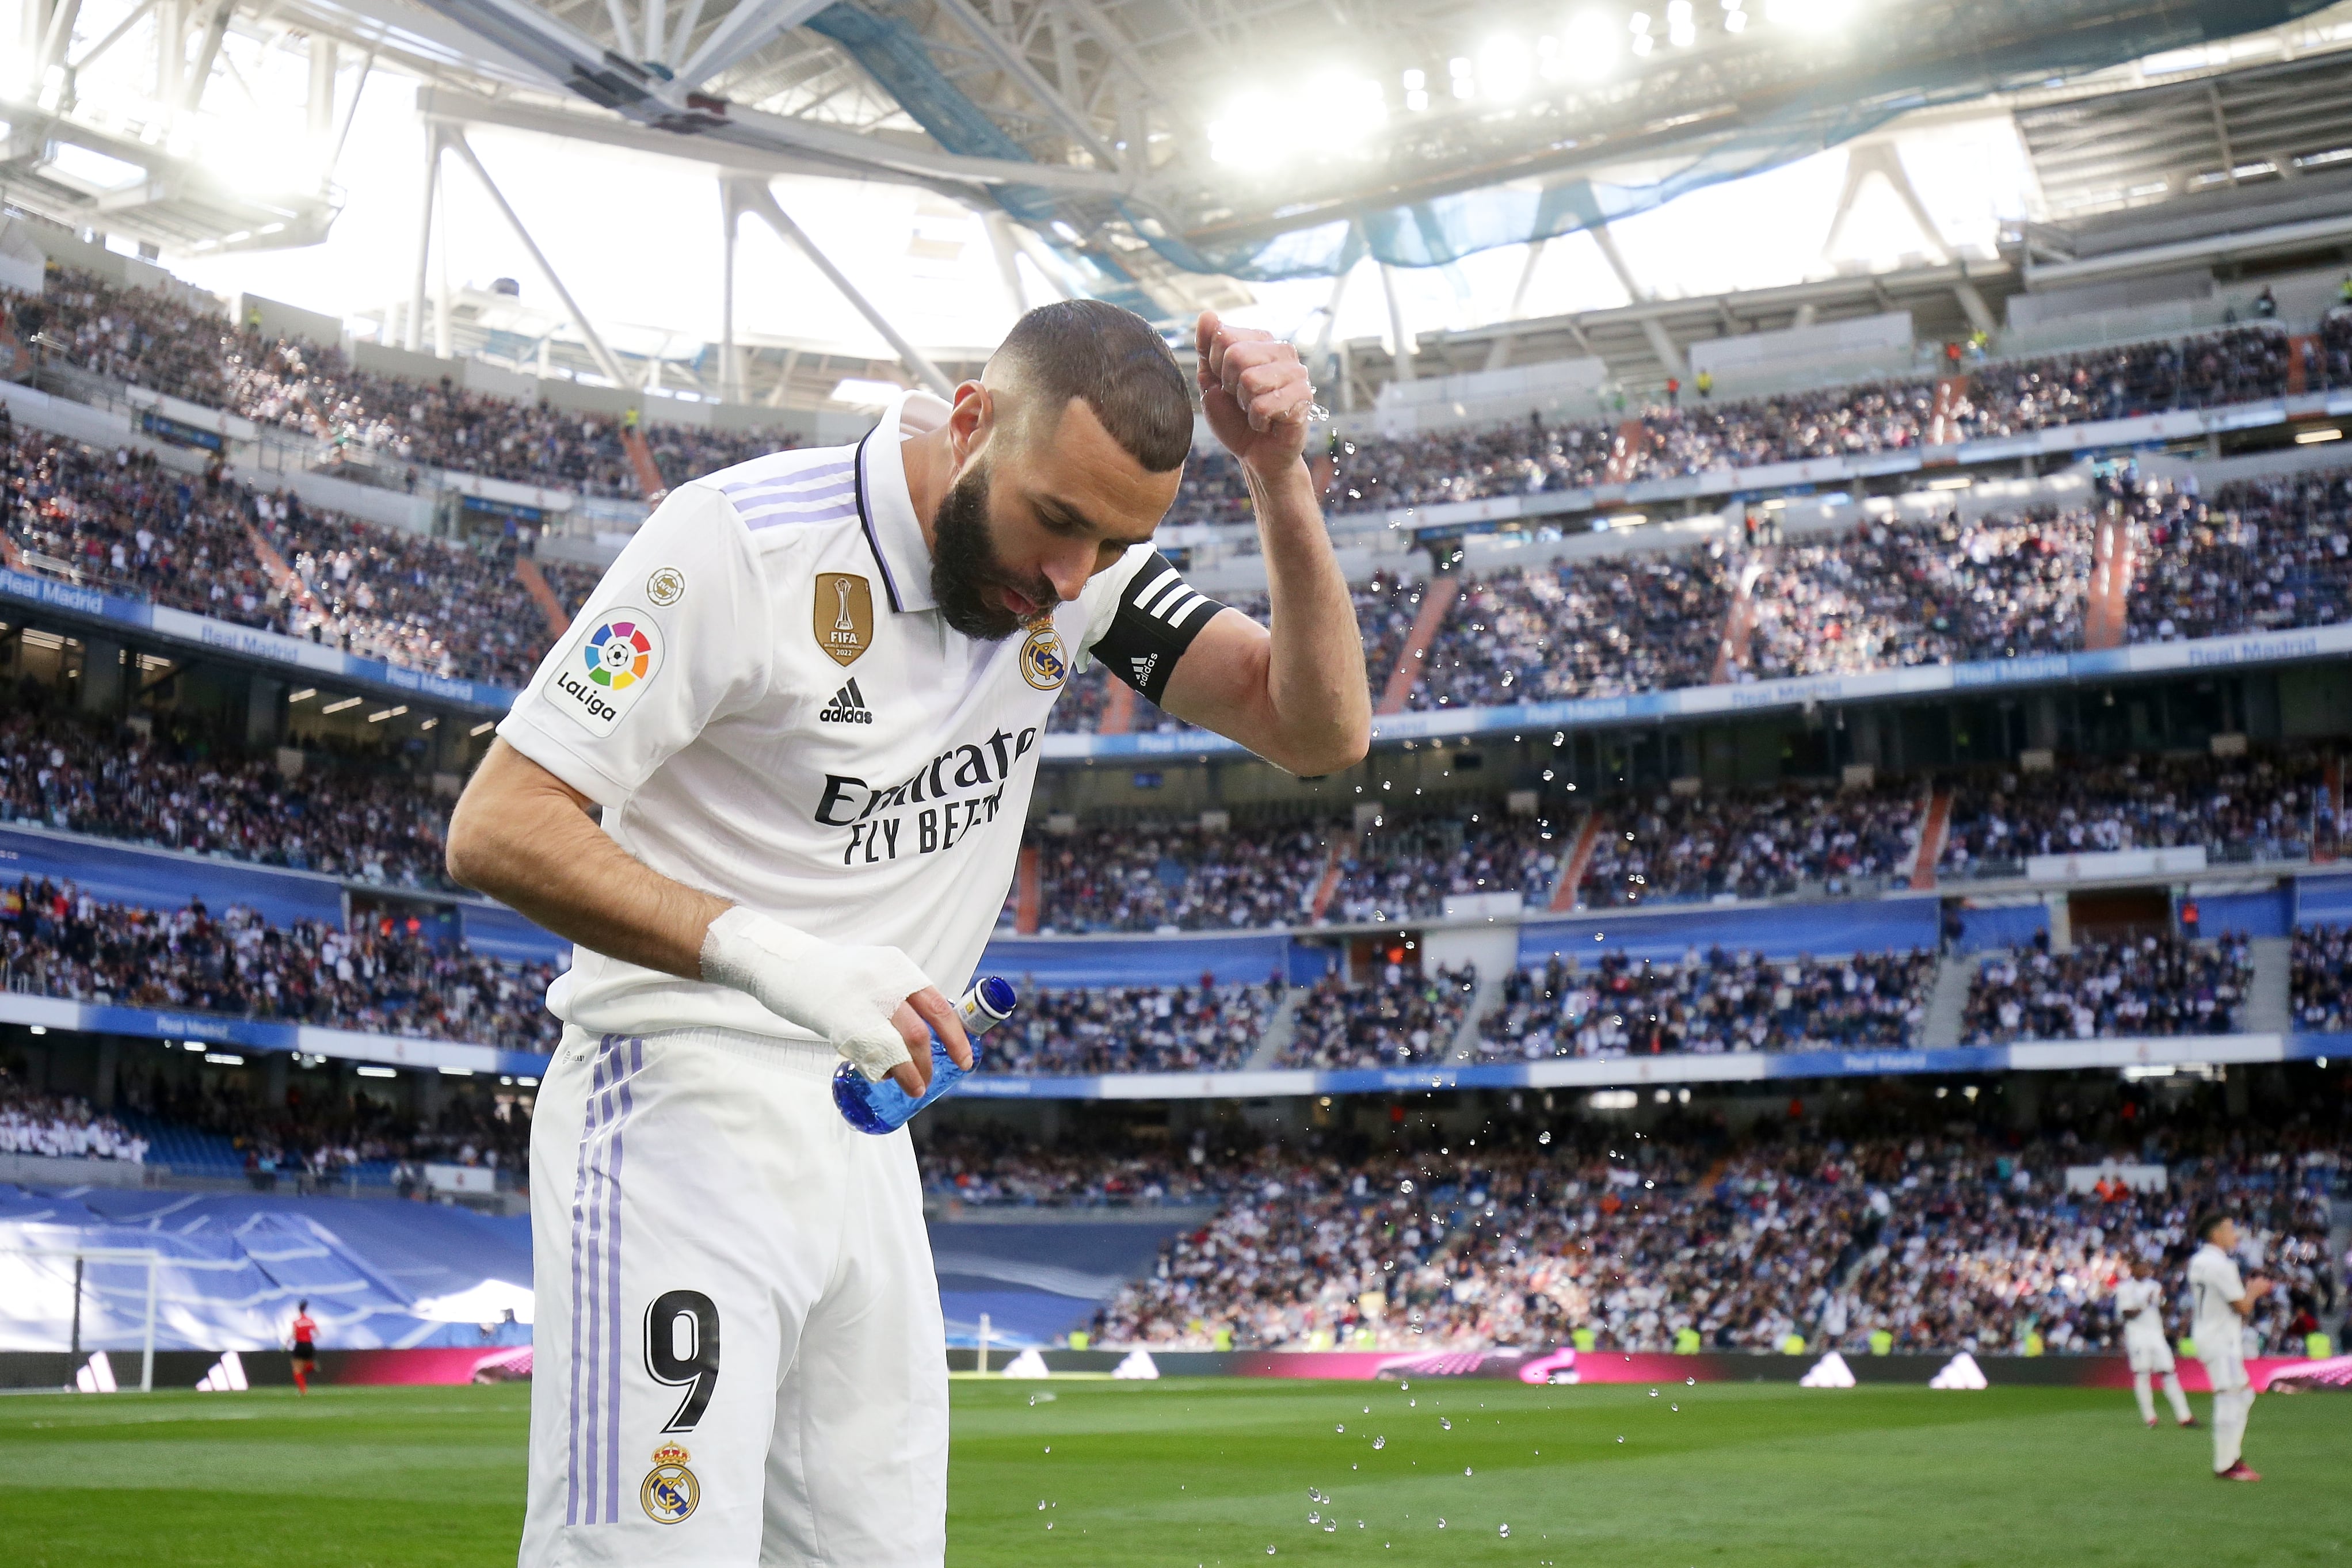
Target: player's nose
<point>1067,570</point>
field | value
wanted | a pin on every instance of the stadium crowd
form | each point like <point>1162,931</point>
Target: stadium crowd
<point>2240,809</point>
<point>61,1126</point>
<point>1921,593</point>
<point>122,522</point>
<point>1944,1240</point>
<point>318,1137</point>
<point>392,979</point>
<point>1132,1029</point>
<point>2259,555</point>
<point>1396,1019</point>
<point>161,341</point>
<point>1757,842</point>
<point>1708,1004</point>
<point>86,775</point>
<point>2102,990</point>
<point>2319,983</point>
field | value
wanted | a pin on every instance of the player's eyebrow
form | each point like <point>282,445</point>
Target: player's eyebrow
<point>1059,513</point>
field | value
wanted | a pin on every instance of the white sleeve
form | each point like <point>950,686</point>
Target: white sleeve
<point>678,632</point>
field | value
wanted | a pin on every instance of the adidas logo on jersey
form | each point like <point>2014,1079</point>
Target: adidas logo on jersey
<point>1143,668</point>
<point>848,707</point>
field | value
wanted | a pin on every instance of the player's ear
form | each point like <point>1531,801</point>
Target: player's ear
<point>972,418</point>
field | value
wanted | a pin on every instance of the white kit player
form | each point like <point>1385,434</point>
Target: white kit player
<point>2140,1303</point>
<point>808,699</point>
<point>2223,1301</point>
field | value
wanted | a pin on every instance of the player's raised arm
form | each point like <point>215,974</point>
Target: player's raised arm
<point>1293,691</point>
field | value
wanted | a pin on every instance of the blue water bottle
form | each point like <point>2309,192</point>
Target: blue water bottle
<point>885,1107</point>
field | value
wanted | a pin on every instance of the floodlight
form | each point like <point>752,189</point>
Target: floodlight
<point>1346,109</point>
<point>1504,69</point>
<point>1591,44</point>
<point>1246,135</point>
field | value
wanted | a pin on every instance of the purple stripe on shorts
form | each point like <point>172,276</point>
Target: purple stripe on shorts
<point>579,1227</point>
<point>636,1060</point>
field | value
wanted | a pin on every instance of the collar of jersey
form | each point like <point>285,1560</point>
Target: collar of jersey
<point>886,509</point>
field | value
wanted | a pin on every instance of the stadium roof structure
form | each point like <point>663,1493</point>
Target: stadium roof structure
<point>1153,152</point>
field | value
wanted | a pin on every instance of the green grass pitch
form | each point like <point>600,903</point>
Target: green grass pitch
<point>1198,1472</point>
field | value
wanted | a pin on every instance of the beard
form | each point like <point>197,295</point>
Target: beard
<point>965,571</point>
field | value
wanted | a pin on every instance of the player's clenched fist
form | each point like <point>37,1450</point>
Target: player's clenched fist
<point>1255,393</point>
<point>871,1004</point>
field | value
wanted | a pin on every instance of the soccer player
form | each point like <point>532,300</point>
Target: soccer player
<point>2139,1301</point>
<point>305,1334</point>
<point>2222,1304</point>
<point>808,700</point>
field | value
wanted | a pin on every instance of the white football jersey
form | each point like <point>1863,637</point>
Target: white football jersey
<point>2213,1281</point>
<point>2140,1304</point>
<point>764,699</point>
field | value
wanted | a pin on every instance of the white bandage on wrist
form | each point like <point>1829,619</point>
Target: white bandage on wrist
<point>845,996</point>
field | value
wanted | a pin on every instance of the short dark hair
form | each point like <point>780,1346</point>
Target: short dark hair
<point>2211,1221</point>
<point>1119,365</point>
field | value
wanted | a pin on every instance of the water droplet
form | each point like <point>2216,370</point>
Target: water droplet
<point>1441,1524</point>
<point>1339,1428</point>
<point>1405,1186</point>
<point>1041,1505</point>
<point>1049,1448</point>
<point>1380,1443</point>
<point>1330,1527</point>
<point>1465,1469</point>
<point>1412,1404</point>
<point>1620,1436</point>
<point>1543,1138</point>
<point>1654,1394</point>
<point>1368,1409</point>
<point>1269,1552</point>
<point>1690,1383</point>
<point>1404,1388</point>
<point>1314,1519</point>
<point>1444,1423</point>
<point>1049,1524</point>
<point>1507,1531</point>
<point>1675,1407</point>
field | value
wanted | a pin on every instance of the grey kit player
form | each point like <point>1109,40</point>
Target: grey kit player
<point>808,699</point>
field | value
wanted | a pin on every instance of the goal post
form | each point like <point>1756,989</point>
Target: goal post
<point>64,1268</point>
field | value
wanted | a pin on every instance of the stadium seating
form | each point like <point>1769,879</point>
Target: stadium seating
<point>125,524</point>
<point>386,980</point>
<point>1953,1240</point>
<point>1132,1029</point>
<point>1394,1020</point>
<point>62,770</point>
<point>2148,985</point>
<point>1721,1001</point>
<point>148,339</point>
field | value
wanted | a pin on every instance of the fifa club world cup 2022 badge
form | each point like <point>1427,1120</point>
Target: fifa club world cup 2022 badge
<point>842,616</point>
<point>670,1491</point>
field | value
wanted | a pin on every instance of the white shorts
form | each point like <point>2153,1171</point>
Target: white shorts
<point>2225,1370</point>
<point>2147,1352</point>
<point>738,1357</point>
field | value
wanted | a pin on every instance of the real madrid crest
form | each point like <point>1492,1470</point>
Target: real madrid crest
<point>670,1491</point>
<point>666,587</point>
<point>843,616</point>
<point>1043,663</point>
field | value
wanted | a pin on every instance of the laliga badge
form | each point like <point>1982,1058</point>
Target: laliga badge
<point>843,616</point>
<point>670,1491</point>
<point>1042,664</point>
